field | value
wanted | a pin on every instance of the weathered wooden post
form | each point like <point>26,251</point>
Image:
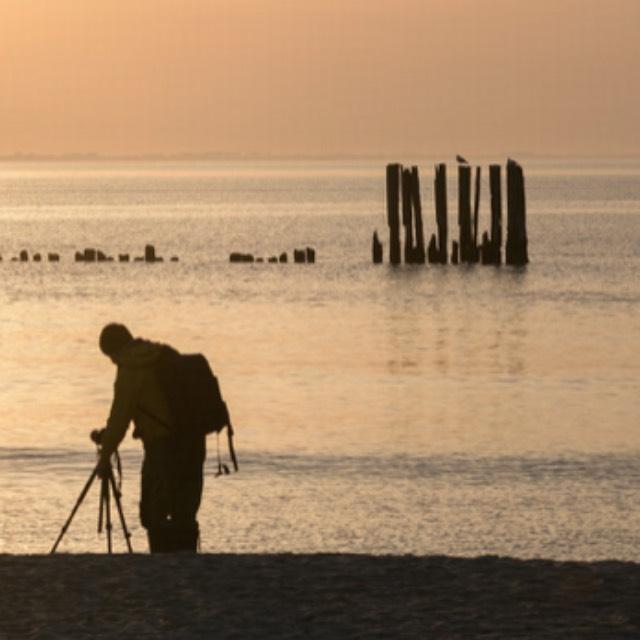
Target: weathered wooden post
<point>496,213</point>
<point>476,216</point>
<point>464,213</point>
<point>486,250</point>
<point>393,211</point>
<point>376,249</point>
<point>516,250</point>
<point>407,216</point>
<point>433,254</point>
<point>454,252</point>
<point>310,255</point>
<point>419,252</point>
<point>441,211</point>
<point>149,253</point>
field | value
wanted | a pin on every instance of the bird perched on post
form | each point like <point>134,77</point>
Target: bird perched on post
<point>461,160</point>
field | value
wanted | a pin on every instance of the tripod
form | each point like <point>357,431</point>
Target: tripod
<point>108,486</point>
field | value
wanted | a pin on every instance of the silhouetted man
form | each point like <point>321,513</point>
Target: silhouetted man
<point>171,487</point>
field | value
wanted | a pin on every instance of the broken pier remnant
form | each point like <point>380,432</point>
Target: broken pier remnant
<point>516,249</point>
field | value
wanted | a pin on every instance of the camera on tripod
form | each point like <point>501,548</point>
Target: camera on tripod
<point>96,436</point>
<point>108,490</point>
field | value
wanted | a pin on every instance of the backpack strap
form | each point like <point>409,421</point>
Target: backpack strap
<point>232,451</point>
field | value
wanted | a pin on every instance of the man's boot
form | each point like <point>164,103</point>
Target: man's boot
<point>160,540</point>
<point>185,537</point>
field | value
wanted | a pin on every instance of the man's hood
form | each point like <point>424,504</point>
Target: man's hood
<point>139,354</point>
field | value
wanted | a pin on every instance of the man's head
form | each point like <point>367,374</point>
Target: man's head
<point>113,338</point>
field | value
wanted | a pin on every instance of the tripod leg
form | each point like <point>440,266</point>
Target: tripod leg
<point>83,493</point>
<point>107,506</point>
<point>116,497</point>
<point>101,507</point>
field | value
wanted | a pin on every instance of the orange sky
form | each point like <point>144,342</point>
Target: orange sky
<point>309,77</point>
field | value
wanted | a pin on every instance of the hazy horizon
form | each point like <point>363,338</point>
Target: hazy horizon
<point>278,78</point>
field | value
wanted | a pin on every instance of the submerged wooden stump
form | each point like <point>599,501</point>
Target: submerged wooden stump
<point>241,257</point>
<point>433,255</point>
<point>149,253</point>
<point>376,249</point>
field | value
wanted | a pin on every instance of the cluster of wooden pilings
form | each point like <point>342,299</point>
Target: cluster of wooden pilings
<point>300,256</point>
<point>403,195</point>
<point>94,255</point>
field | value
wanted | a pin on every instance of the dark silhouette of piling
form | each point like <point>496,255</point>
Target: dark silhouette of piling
<point>418,253</point>
<point>283,258</point>
<point>407,216</point>
<point>464,213</point>
<point>486,250</point>
<point>24,256</point>
<point>149,253</point>
<point>37,257</point>
<point>273,259</point>
<point>240,257</point>
<point>455,252</point>
<point>440,191</point>
<point>516,248</point>
<point>299,256</point>
<point>311,255</point>
<point>495,188</point>
<point>376,249</point>
<point>393,211</point>
<point>123,257</point>
<point>53,257</point>
<point>433,254</point>
<point>476,214</point>
<point>90,255</point>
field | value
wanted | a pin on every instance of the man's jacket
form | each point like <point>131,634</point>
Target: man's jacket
<point>137,396</point>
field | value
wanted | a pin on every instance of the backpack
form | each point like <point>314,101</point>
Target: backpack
<point>193,397</point>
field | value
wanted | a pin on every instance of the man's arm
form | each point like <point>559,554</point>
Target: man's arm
<point>122,410</point>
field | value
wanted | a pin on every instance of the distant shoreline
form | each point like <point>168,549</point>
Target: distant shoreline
<point>315,596</point>
<point>231,157</point>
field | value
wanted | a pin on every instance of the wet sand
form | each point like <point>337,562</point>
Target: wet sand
<point>315,596</point>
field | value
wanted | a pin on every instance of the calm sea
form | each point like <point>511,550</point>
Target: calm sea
<point>427,410</point>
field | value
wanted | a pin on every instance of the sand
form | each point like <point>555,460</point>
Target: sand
<point>315,596</point>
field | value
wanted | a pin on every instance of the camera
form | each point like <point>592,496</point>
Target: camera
<point>96,435</point>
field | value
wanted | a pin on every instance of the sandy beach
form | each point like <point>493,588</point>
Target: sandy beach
<point>315,596</point>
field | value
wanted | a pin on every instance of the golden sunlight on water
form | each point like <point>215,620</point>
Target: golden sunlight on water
<point>408,410</point>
